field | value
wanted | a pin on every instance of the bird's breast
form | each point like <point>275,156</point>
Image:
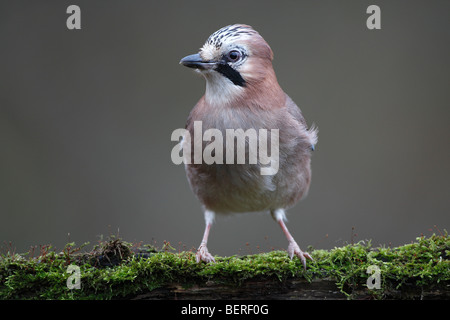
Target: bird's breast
<point>233,186</point>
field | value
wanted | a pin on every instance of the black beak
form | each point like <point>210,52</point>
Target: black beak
<point>196,62</point>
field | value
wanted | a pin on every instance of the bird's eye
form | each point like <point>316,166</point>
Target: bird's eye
<point>233,55</point>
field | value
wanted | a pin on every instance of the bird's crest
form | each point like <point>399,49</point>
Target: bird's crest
<point>228,33</point>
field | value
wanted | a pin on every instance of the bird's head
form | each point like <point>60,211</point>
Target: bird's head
<point>232,60</point>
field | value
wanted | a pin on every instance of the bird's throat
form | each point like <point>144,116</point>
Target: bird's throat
<point>220,90</point>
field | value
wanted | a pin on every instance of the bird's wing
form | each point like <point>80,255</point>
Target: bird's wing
<point>296,113</point>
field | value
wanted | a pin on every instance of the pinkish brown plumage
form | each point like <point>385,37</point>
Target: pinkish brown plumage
<point>242,92</point>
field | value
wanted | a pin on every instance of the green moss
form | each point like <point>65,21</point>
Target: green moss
<point>116,269</point>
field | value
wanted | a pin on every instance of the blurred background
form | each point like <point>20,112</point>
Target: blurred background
<point>86,118</point>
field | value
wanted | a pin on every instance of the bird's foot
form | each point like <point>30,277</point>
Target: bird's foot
<point>203,254</point>
<point>294,249</point>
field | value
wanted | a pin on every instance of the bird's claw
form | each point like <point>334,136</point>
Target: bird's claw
<point>203,254</point>
<point>294,249</point>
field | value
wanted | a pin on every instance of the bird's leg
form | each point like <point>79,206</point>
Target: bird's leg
<point>293,248</point>
<point>202,251</point>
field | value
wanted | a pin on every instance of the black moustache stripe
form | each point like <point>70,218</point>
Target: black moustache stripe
<point>231,74</point>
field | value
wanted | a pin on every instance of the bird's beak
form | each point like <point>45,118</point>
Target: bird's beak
<point>196,62</point>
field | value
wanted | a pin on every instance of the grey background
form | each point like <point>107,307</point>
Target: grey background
<point>86,118</point>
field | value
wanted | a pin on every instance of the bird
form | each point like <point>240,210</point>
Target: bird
<point>242,92</point>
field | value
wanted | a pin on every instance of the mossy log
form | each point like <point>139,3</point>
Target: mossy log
<point>256,289</point>
<point>119,270</point>
<point>289,289</point>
